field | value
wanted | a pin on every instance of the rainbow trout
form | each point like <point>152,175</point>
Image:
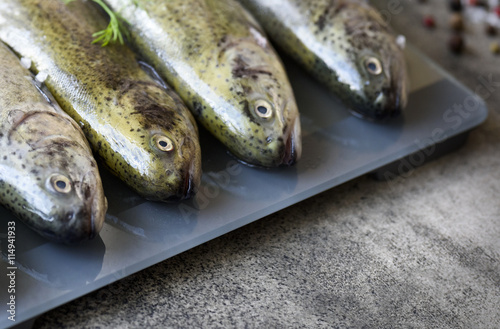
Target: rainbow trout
<point>140,129</point>
<point>48,176</point>
<point>343,43</point>
<point>219,61</point>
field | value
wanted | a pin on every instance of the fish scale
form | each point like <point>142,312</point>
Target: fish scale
<point>38,141</point>
<point>125,113</point>
<point>335,41</point>
<point>216,56</point>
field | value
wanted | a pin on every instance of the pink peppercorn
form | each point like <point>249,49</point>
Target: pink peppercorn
<point>497,11</point>
<point>429,21</point>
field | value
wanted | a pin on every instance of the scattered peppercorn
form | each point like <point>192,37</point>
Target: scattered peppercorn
<point>456,44</point>
<point>457,22</point>
<point>483,3</point>
<point>456,5</point>
<point>495,48</point>
<point>479,3</point>
<point>429,21</point>
<point>497,11</point>
<point>490,30</point>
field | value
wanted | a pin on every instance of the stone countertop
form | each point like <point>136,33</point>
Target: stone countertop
<point>422,252</point>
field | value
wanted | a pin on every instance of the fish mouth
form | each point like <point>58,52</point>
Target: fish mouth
<point>189,187</point>
<point>189,184</point>
<point>293,144</point>
<point>395,102</point>
<point>385,106</point>
<point>192,176</point>
<point>393,109</point>
<point>96,204</point>
<point>77,224</point>
<point>97,216</point>
<point>388,102</point>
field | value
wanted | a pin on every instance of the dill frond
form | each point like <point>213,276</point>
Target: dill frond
<point>115,31</point>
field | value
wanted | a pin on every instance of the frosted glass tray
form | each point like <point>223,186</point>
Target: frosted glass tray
<point>337,147</point>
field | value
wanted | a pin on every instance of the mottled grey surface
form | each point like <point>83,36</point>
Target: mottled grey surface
<point>421,252</point>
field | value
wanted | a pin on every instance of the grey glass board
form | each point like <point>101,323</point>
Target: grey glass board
<point>337,147</point>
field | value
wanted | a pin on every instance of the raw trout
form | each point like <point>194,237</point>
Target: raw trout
<point>139,128</point>
<point>346,45</point>
<point>218,59</point>
<point>48,176</point>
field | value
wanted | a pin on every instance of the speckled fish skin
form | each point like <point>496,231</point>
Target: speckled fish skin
<point>40,146</point>
<point>333,39</point>
<point>123,111</point>
<point>219,61</point>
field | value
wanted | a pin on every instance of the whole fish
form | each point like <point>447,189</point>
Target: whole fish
<point>48,176</point>
<point>139,128</point>
<point>218,59</point>
<point>345,44</point>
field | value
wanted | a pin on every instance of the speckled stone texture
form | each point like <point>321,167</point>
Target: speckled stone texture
<point>419,252</point>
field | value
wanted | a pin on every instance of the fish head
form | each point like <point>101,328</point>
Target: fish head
<point>75,199</point>
<point>269,131</point>
<point>382,83</point>
<point>178,154</point>
<point>66,203</point>
<point>164,149</point>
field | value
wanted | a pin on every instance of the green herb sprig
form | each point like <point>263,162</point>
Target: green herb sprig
<point>115,29</point>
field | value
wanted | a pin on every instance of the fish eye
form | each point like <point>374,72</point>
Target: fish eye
<point>373,66</point>
<point>163,143</point>
<point>60,183</point>
<point>263,109</point>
